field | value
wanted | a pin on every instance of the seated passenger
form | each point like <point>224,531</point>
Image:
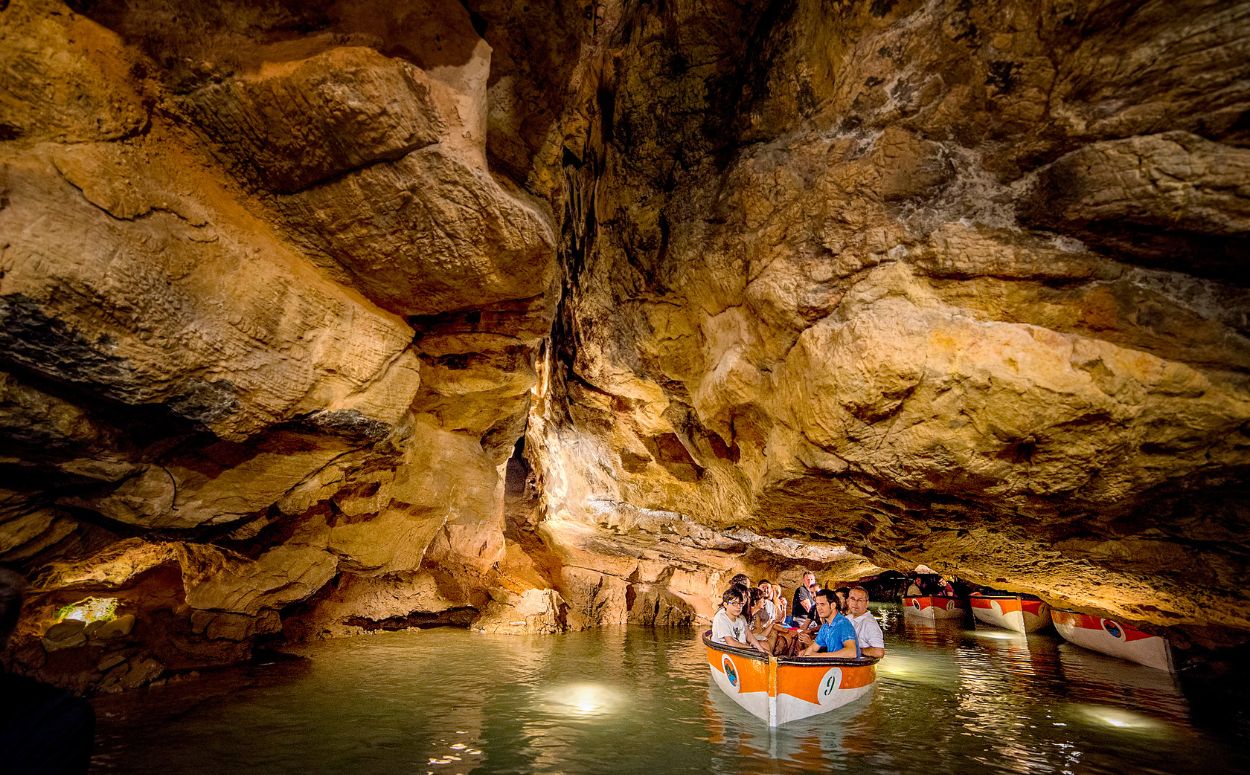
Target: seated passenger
<point>766,589</point>
<point>836,636</point>
<point>804,606</point>
<point>779,600</point>
<point>842,593</point>
<point>867,630</point>
<point>728,625</point>
<point>763,624</point>
<point>915,589</point>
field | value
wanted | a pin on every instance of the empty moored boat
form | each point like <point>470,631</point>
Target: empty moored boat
<point>1114,638</point>
<point>1021,613</point>
<point>933,606</point>
<point>783,689</point>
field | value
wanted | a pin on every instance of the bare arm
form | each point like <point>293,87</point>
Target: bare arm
<point>872,651</point>
<point>754,642</point>
<point>848,650</point>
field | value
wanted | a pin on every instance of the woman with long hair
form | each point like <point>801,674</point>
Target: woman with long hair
<point>763,626</point>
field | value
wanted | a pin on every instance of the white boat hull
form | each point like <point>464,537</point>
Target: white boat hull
<point>1114,638</point>
<point>1010,612</point>
<point>778,691</point>
<point>933,607</point>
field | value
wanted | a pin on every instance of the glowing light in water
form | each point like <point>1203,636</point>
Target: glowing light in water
<point>903,667</point>
<point>1120,718</point>
<point>584,699</point>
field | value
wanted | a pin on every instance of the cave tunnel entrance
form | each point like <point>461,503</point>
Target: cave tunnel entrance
<point>517,472</point>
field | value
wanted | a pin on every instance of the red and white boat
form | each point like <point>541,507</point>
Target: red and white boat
<point>783,689</point>
<point>933,606</point>
<point>1021,613</point>
<point>1114,638</point>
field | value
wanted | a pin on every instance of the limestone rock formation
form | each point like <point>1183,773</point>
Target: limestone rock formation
<point>322,318</point>
<point>235,239</point>
<point>945,282</point>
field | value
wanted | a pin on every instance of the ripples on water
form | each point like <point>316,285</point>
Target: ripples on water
<point>639,700</point>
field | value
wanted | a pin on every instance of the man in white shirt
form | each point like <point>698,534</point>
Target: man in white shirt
<point>867,630</point>
<point>729,626</point>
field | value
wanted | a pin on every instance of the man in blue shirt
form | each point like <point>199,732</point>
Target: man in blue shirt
<point>836,637</point>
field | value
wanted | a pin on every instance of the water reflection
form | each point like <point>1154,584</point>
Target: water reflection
<point>947,699</point>
<point>847,733</point>
<point>1106,681</point>
<point>930,632</point>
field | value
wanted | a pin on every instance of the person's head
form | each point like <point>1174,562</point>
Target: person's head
<point>754,597</point>
<point>857,601</point>
<point>12,586</point>
<point>842,593</point>
<point>733,600</point>
<point>766,587</point>
<point>826,603</point>
<point>741,578</point>
<point>809,580</point>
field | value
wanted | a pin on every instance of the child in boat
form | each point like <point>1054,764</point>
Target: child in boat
<point>729,626</point>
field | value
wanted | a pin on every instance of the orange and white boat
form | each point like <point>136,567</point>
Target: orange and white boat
<point>1021,613</point>
<point>933,606</point>
<point>1114,638</point>
<point>783,689</point>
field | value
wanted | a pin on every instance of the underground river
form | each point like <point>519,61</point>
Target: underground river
<point>947,699</point>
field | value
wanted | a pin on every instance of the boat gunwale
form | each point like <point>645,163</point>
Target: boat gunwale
<point>760,656</point>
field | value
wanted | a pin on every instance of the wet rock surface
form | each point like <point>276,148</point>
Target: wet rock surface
<point>329,317</point>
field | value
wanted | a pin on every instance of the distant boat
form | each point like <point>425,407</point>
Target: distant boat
<point>1114,638</point>
<point>783,689</point>
<point>933,606</point>
<point>1022,613</point>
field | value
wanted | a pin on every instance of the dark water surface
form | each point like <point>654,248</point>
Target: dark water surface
<point>947,700</point>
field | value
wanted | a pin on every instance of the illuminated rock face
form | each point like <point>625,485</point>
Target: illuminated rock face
<point>952,283</point>
<point>763,287</point>
<point>269,323</point>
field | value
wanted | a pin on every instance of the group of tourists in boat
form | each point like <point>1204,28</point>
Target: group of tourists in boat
<point>821,653</point>
<point>787,667</point>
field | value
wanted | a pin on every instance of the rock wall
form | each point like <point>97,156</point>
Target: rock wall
<point>268,324</point>
<point>322,318</point>
<point>945,282</point>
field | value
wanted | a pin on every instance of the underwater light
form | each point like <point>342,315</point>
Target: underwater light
<point>584,699</point>
<point>1120,718</point>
